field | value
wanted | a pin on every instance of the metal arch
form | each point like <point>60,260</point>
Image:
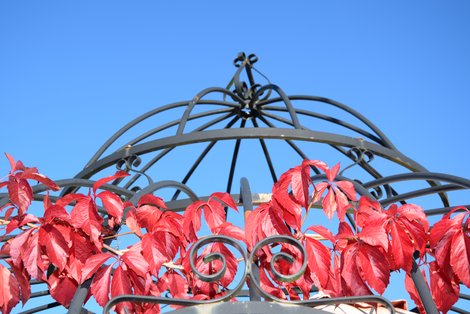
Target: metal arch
<point>285,100</point>
<point>167,150</point>
<point>339,105</point>
<point>195,101</point>
<point>164,184</point>
<point>465,183</point>
<point>145,116</point>
<point>321,117</point>
<point>253,133</point>
<point>176,122</point>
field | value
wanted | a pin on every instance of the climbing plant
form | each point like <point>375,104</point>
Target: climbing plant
<point>67,244</point>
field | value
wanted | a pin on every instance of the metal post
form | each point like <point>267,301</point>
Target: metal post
<point>247,203</point>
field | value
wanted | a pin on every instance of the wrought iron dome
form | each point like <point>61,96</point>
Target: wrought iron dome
<point>231,139</point>
<point>185,136</point>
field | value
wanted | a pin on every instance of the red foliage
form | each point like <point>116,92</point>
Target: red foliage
<point>65,247</point>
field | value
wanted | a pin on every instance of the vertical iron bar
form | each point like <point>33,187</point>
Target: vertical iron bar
<point>291,144</point>
<point>247,203</point>
<point>234,160</point>
<point>78,300</point>
<point>201,157</point>
<point>266,154</point>
<point>423,290</point>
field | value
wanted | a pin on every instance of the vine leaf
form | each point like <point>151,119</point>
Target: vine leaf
<point>121,285</point>
<point>93,263</point>
<point>450,238</point>
<point>10,291</point>
<point>100,284</point>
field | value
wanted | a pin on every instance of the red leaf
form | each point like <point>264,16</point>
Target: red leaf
<point>369,211</point>
<point>93,263</point>
<point>69,198</point>
<point>9,291</point>
<point>82,248</point>
<point>100,182</point>
<point>154,253</point>
<point>148,216</point>
<point>40,178</point>
<point>100,285</point>
<point>332,173</point>
<point>135,261</point>
<point>214,214</point>
<point>226,198</point>
<point>121,285</point>
<point>460,256</point>
<point>56,247</point>
<point>23,280</point>
<point>300,183</point>
<point>318,191</point>
<point>177,285</point>
<point>329,204</point>
<point>56,211</point>
<point>30,253</point>
<point>17,244</point>
<point>341,203</point>
<point>324,232</point>
<point>268,287</point>
<point>11,160</point>
<point>149,199</point>
<point>173,223</point>
<point>407,228</point>
<point>348,188</point>
<point>214,266</point>
<point>112,203</point>
<point>375,235</point>
<point>20,221</point>
<point>62,288</point>
<point>414,213</point>
<point>192,220</point>
<point>319,260</point>
<point>355,284</point>
<point>20,193</point>
<point>411,288</point>
<point>85,217</point>
<point>402,248</point>
<point>131,222</point>
<point>374,267</point>
<point>445,291</point>
<point>230,230</point>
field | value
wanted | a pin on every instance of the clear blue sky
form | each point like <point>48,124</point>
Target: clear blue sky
<point>71,74</point>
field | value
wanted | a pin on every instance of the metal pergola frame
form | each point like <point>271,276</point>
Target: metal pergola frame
<point>248,111</point>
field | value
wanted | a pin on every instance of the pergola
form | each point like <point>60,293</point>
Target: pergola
<point>262,116</point>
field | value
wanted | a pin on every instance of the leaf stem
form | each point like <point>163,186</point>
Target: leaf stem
<point>315,236</point>
<point>173,265</point>
<point>112,250</point>
<point>118,235</point>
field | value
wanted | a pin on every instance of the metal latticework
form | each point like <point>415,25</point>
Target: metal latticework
<point>254,131</point>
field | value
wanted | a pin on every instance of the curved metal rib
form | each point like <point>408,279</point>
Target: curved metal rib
<point>284,98</point>
<point>322,117</point>
<point>196,99</point>
<point>164,184</point>
<point>169,149</point>
<point>174,123</point>
<point>277,133</point>
<point>201,157</point>
<point>145,116</point>
<point>337,104</point>
<point>421,192</point>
